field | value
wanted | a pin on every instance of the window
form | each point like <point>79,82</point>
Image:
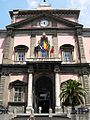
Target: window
<point>21,56</point>
<point>67,56</point>
<point>20,52</point>
<point>67,52</point>
<point>17,91</point>
<point>18,96</point>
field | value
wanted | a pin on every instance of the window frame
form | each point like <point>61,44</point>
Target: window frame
<point>21,56</point>
<point>67,56</point>
<point>67,48</point>
<point>17,85</point>
<point>20,49</point>
<point>18,94</point>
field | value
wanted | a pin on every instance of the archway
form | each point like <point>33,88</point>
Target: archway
<point>44,94</point>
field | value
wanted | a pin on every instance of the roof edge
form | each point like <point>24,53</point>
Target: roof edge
<point>35,11</point>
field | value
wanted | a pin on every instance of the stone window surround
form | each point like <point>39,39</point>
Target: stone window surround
<point>16,85</point>
<point>67,48</point>
<point>19,51</point>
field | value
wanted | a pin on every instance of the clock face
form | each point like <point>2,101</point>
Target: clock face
<point>44,23</point>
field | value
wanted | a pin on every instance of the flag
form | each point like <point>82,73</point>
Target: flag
<point>52,50</point>
<point>45,46</point>
<point>42,49</point>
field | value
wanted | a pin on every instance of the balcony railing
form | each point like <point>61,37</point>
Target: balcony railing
<point>42,60</point>
<point>37,59</point>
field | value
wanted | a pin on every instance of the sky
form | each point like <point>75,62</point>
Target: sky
<point>7,5</point>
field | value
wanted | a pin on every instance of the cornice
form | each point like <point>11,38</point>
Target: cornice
<point>86,29</point>
<point>86,32</point>
<point>49,66</point>
<point>52,11</point>
<point>48,31</point>
<point>3,31</point>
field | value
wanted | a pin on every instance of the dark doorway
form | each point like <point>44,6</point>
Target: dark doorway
<point>44,94</point>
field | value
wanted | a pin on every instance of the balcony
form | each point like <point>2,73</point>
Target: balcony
<point>38,60</point>
<point>43,59</point>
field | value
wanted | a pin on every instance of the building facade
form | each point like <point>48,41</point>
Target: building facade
<point>39,51</point>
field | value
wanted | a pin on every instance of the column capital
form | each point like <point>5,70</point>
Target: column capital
<point>56,69</point>
<point>30,69</point>
<point>79,30</point>
<point>33,35</point>
<point>4,73</point>
<point>10,33</point>
<point>54,35</point>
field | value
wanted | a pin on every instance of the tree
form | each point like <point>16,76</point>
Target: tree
<point>72,94</point>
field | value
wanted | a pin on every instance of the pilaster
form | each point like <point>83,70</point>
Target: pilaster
<point>55,44</point>
<point>33,43</point>
<point>87,88</point>
<point>84,79</point>
<point>80,46</point>
<point>8,49</point>
<point>4,88</point>
<point>2,83</point>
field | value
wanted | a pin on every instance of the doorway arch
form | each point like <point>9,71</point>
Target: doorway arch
<point>44,94</point>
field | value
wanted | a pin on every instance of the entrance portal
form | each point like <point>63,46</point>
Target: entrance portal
<point>44,94</point>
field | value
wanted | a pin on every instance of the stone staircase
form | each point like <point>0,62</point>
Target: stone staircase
<point>41,117</point>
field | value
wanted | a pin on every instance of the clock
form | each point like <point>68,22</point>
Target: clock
<point>44,23</point>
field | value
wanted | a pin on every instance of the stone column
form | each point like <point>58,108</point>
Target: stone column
<point>80,46</point>
<point>30,94</point>
<point>8,48</point>
<point>55,44</point>
<point>57,90</point>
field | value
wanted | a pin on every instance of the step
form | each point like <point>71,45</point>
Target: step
<point>41,117</point>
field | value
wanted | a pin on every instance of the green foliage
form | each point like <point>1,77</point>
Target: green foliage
<point>72,93</point>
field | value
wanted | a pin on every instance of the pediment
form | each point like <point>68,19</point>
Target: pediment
<point>17,83</point>
<point>35,22</point>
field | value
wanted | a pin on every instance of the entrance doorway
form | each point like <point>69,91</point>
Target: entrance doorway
<point>44,94</point>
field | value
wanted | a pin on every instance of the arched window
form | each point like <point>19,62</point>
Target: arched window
<point>67,52</point>
<point>20,52</point>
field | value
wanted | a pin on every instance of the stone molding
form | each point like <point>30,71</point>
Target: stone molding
<point>10,33</point>
<point>56,69</point>
<point>30,69</point>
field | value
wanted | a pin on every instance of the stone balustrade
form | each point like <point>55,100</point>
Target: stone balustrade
<point>36,59</point>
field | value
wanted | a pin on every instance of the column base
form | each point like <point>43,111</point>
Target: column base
<point>29,110</point>
<point>58,109</point>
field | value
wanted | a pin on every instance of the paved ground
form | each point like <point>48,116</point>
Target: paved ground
<point>6,116</point>
<point>81,117</point>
